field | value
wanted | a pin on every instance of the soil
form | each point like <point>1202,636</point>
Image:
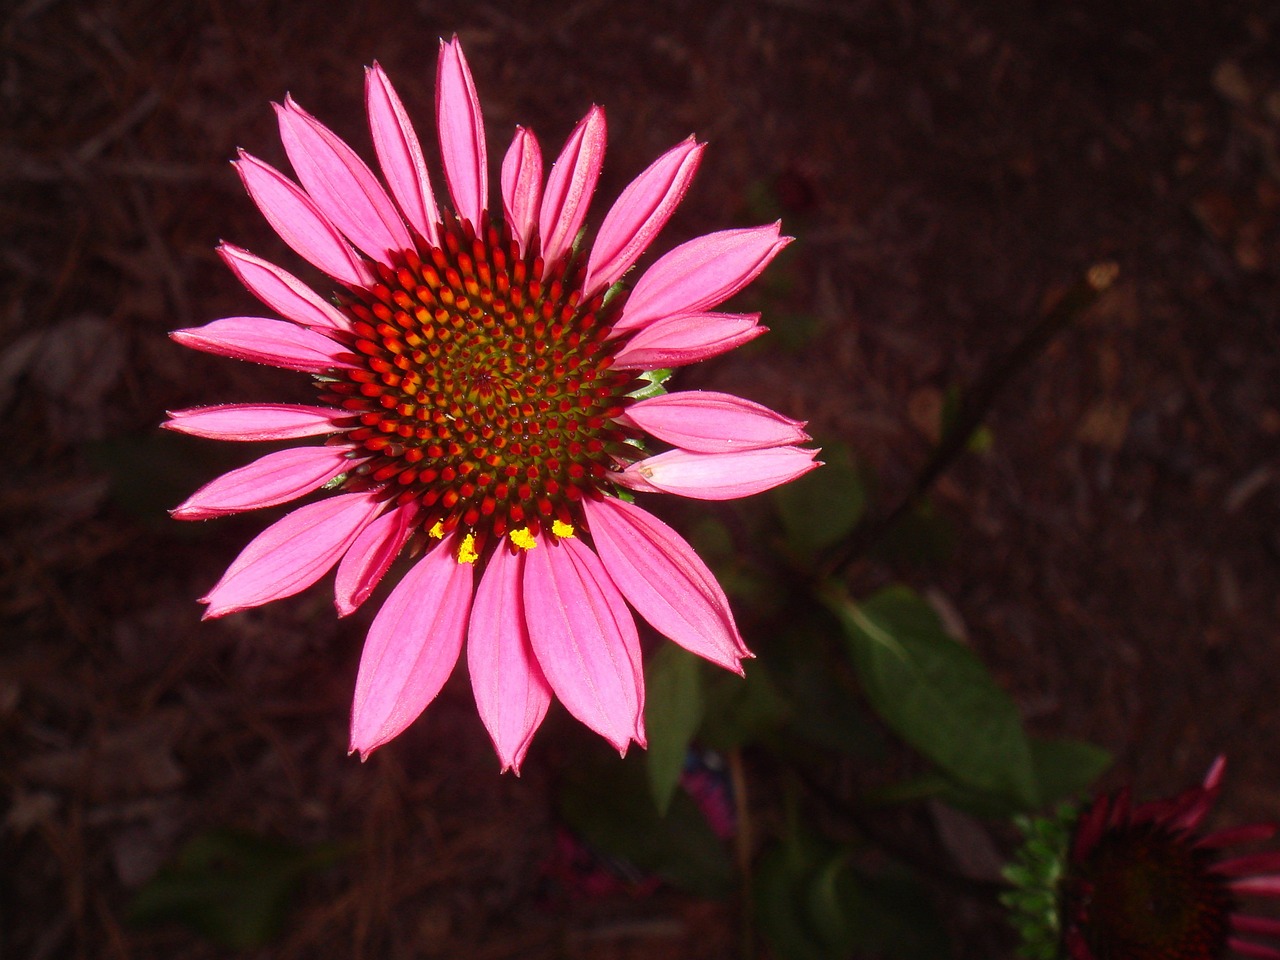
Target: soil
<point>949,168</point>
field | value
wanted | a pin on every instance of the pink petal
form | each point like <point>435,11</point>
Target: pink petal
<point>292,553</point>
<point>267,482</point>
<point>665,580</point>
<point>719,476</point>
<point>341,184</point>
<point>585,640</point>
<point>707,422</point>
<point>570,185</point>
<point>1265,886</point>
<point>371,556</point>
<point>411,649</point>
<point>298,220</point>
<point>1251,863</point>
<point>700,274</point>
<point>522,186</point>
<point>461,127</point>
<point>253,421</point>
<point>687,338</point>
<point>281,291</point>
<point>273,342</point>
<point>400,155</point>
<point>639,213</point>
<point>512,695</point>
<point>1255,951</point>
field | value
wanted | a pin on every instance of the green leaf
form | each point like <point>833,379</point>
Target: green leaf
<point>610,806</point>
<point>1065,768</point>
<point>741,710</point>
<point>232,888</point>
<point>936,695</point>
<point>821,507</point>
<point>673,711</point>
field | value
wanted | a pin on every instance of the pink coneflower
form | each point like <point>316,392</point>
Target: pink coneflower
<point>1142,883</point>
<point>478,379</point>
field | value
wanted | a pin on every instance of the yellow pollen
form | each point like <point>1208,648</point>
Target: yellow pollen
<point>467,552</point>
<point>561,529</point>
<point>437,531</point>
<point>523,538</point>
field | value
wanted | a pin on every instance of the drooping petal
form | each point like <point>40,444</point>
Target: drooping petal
<point>708,422</point>
<point>298,220</point>
<point>282,291</point>
<point>687,338</point>
<point>461,127</point>
<point>639,213</point>
<point>665,580</point>
<point>267,482</point>
<point>370,557</point>
<point>292,553</point>
<point>570,185</point>
<point>511,693</point>
<point>253,421</point>
<point>718,476</point>
<point>412,647</point>
<point>341,183</point>
<point>400,155</point>
<point>522,186</point>
<point>700,274</point>
<point>585,640</point>
<point>276,343</point>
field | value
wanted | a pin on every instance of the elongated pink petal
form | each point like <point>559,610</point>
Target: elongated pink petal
<point>585,640</point>
<point>298,220</point>
<point>1255,951</point>
<point>276,343</point>
<point>253,421</point>
<point>719,476</point>
<point>1266,926</point>
<point>400,155</point>
<point>511,693</point>
<point>412,647</point>
<point>1231,836</point>
<point>570,185</point>
<point>267,482</point>
<point>341,184</point>
<point>700,274</point>
<point>1264,886</point>
<point>708,422</point>
<point>461,127</point>
<point>665,580</point>
<point>282,291</point>
<point>1251,863</point>
<point>687,338</point>
<point>292,553</point>
<point>642,210</point>
<point>522,186</point>
<point>371,556</point>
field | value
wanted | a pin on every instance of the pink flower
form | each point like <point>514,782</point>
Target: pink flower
<point>475,392</point>
<point>1145,883</point>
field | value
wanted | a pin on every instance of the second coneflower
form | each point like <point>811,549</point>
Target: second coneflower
<point>485,393</point>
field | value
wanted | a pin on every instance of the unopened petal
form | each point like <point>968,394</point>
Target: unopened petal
<point>570,185</point>
<point>511,693</point>
<point>400,155</point>
<point>371,556</point>
<point>585,640</point>
<point>412,647</point>
<point>642,210</point>
<point>341,184</point>
<point>282,291</point>
<point>461,128</point>
<point>687,338</point>
<point>700,274</point>
<point>522,186</point>
<point>292,553</point>
<point>253,421</point>
<point>708,422</point>
<point>665,580</point>
<point>298,220</point>
<point>261,340</point>
<point>719,476</point>
<point>267,482</point>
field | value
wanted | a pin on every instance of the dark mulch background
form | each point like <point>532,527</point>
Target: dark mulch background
<point>947,166</point>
